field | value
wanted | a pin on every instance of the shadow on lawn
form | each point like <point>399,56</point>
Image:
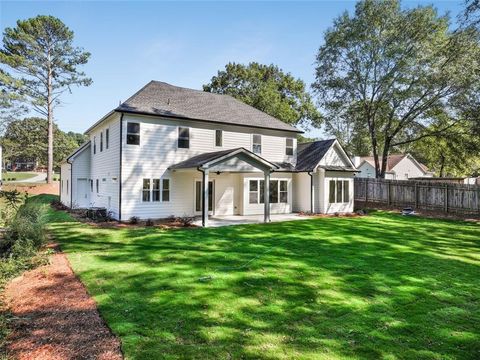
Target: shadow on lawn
<point>383,286</point>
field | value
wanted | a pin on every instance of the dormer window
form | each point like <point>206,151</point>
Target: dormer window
<point>183,138</point>
<point>257,144</point>
<point>289,147</point>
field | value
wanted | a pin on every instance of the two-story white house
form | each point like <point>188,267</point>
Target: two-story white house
<point>169,151</point>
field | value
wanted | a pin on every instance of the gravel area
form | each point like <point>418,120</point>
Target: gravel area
<point>55,318</point>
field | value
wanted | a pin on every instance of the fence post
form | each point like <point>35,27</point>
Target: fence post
<point>366,191</point>
<point>416,195</point>
<point>388,192</point>
<point>446,198</point>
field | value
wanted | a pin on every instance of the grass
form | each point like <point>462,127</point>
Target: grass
<point>377,287</point>
<point>9,176</point>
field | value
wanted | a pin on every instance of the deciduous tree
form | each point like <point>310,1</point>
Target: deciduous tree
<point>395,72</point>
<point>269,89</point>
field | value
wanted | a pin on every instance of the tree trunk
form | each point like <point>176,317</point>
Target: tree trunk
<point>442,165</point>
<point>50,130</point>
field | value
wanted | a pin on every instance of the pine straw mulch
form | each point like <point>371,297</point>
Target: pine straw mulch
<point>53,317</point>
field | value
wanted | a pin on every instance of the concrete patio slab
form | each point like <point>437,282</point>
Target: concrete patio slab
<point>228,220</point>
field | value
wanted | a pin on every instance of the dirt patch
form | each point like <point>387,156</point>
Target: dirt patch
<point>35,189</point>
<point>55,318</point>
<point>431,214</point>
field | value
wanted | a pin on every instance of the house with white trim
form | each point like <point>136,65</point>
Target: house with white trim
<point>399,167</point>
<point>172,151</point>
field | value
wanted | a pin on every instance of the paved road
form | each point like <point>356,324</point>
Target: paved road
<point>40,177</point>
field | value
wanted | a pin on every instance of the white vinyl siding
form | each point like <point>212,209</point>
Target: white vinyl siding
<point>158,150</point>
<point>106,165</point>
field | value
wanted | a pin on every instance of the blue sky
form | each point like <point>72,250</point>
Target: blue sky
<point>182,43</point>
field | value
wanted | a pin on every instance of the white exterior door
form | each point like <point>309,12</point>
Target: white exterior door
<point>83,195</point>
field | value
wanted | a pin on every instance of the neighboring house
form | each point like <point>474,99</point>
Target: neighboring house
<point>169,151</point>
<point>399,167</point>
<point>22,164</point>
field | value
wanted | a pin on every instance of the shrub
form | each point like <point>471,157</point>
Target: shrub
<point>134,220</point>
<point>185,220</point>
<point>25,232</point>
<point>149,222</point>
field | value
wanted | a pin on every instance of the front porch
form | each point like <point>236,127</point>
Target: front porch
<point>228,220</point>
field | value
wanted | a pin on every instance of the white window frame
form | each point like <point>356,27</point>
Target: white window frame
<point>189,136</point>
<point>221,138</point>
<point>257,144</point>
<point>287,147</point>
<point>159,190</point>
<point>336,181</point>
<point>144,190</point>
<point>169,189</point>
<point>259,191</point>
<point>132,133</point>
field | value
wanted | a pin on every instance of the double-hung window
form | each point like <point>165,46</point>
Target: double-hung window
<point>146,190</point>
<point>183,138</point>
<point>257,143</point>
<point>253,192</point>
<point>339,191</point>
<point>165,190</point>
<point>218,138</point>
<point>278,191</point>
<point>289,146</point>
<point>283,191</point>
<point>156,190</point>
<point>133,133</point>
<point>101,141</point>
<point>97,183</point>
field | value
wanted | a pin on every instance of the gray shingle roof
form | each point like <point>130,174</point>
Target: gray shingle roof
<point>205,158</point>
<point>310,154</point>
<point>201,159</point>
<point>159,98</point>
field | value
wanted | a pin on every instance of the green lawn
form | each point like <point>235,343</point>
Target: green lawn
<point>9,176</point>
<point>377,287</point>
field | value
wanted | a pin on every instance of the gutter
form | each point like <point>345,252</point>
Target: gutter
<point>71,183</point>
<point>120,171</point>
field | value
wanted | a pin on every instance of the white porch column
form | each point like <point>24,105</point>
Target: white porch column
<point>266,196</point>
<point>204,198</point>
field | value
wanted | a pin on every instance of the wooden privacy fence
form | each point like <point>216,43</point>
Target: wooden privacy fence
<point>419,194</point>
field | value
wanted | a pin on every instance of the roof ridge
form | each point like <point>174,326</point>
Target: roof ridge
<point>311,142</point>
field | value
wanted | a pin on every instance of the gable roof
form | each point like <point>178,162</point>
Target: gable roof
<point>162,99</point>
<point>77,151</point>
<point>206,159</point>
<point>393,160</point>
<point>310,154</point>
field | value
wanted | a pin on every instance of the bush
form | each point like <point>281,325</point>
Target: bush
<point>25,232</point>
<point>134,220</point>
<point>186,221</point>
<point>149,222</point>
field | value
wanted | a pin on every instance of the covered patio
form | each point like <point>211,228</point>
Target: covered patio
<point>237,160</point>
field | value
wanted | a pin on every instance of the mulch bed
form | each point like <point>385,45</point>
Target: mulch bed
<point>53,317</point>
